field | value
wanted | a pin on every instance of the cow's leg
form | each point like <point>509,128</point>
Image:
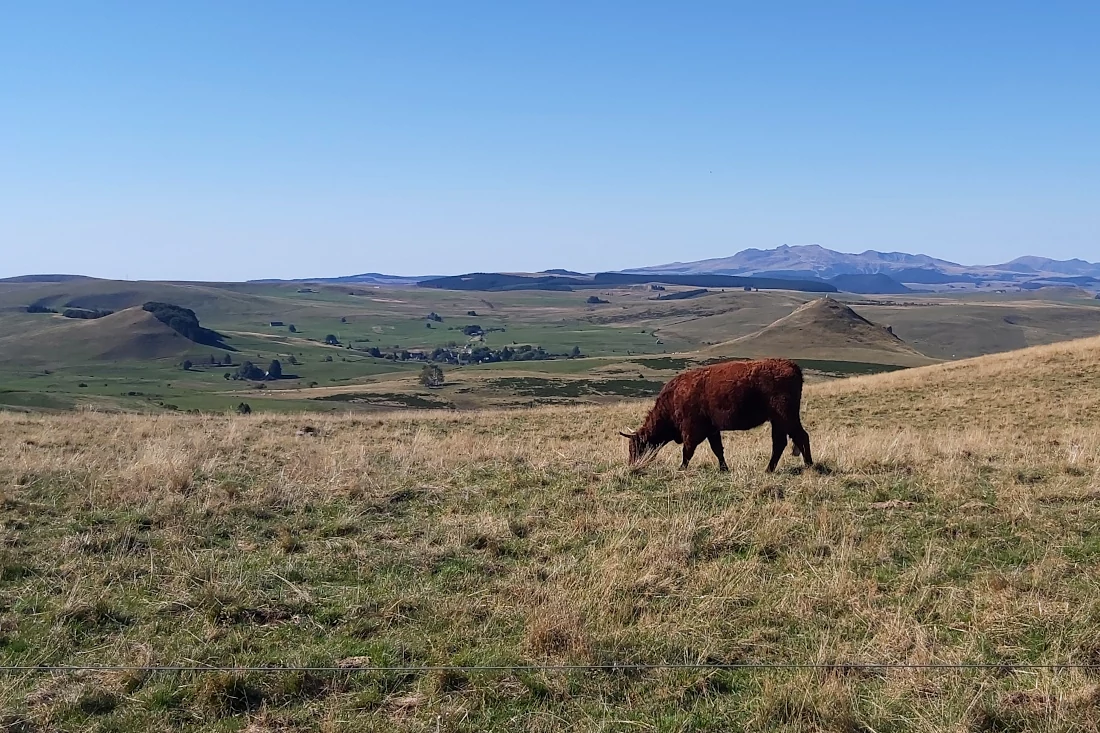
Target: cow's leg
<point>779,442</point>
<point>690,443</point>
<point>715,440</point>
<point>802,441</point>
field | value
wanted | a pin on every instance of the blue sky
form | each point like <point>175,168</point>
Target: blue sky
<point>235,140</point>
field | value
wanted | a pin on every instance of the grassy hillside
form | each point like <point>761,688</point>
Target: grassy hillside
<point>129,335</point>
<point>953,519</point>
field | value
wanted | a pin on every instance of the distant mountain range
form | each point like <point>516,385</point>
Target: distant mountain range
<point>816,261</point>
<point>809,268</point>
<point>808,261</point>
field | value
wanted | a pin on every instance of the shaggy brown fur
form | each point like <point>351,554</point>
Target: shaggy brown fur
<point>734,395</point>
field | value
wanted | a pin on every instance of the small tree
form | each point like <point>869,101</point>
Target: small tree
<point>331,340</point>
<point>244,409</point>
<point>187,365</point>
<point>575,352</point>
<point>292,328</point>
<point>275,370</point>
<point>227,360</point>
<point>431,376</point>
<point>227,375</point>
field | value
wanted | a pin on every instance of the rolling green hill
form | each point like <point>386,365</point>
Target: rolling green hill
<point>630,341</point>
<point>130,335</point>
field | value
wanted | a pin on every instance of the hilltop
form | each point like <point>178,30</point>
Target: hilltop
<point>824,329</point>
<point>132,334</point>
<point>950,522</point>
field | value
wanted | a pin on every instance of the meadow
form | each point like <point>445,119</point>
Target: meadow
<point>952,519</point>
<point>50,363</point>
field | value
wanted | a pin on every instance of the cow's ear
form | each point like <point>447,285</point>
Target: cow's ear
<point>626,435</point>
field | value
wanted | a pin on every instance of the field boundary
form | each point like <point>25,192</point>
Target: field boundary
<point>1006,667</point>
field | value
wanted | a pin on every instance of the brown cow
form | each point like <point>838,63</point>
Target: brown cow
<point>699,404</point>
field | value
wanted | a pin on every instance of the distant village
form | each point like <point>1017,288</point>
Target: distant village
<point>473,352</point>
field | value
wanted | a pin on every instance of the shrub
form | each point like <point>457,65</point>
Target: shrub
<point>187,365</point>
<point>244,409</point>
<point>35,308</point>
<point>331,340</point>
<point>431,376</point>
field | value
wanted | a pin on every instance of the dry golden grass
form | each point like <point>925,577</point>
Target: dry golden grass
<point>954,518</point>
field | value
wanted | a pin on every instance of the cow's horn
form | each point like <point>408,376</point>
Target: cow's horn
<point>626,435</point>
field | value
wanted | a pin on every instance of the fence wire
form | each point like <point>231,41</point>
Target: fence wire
<point>1005,667</point>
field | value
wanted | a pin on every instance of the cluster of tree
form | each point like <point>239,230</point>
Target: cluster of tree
<point>184,322</point>
<point>35,308</point>
<point>433,316</point>
<point>85,313</point>
<point>252,373</point>
<point>473,330</point>
<point>213,361</point>
<point>487,355</point>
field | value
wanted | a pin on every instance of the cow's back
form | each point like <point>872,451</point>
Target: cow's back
<point>736,395</point>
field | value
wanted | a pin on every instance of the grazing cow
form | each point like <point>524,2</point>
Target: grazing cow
<point>699,404</point>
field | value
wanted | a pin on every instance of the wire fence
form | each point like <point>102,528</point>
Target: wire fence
<point>1005,667</point>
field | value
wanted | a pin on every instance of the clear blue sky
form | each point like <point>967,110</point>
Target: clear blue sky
<point>234,140</point>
